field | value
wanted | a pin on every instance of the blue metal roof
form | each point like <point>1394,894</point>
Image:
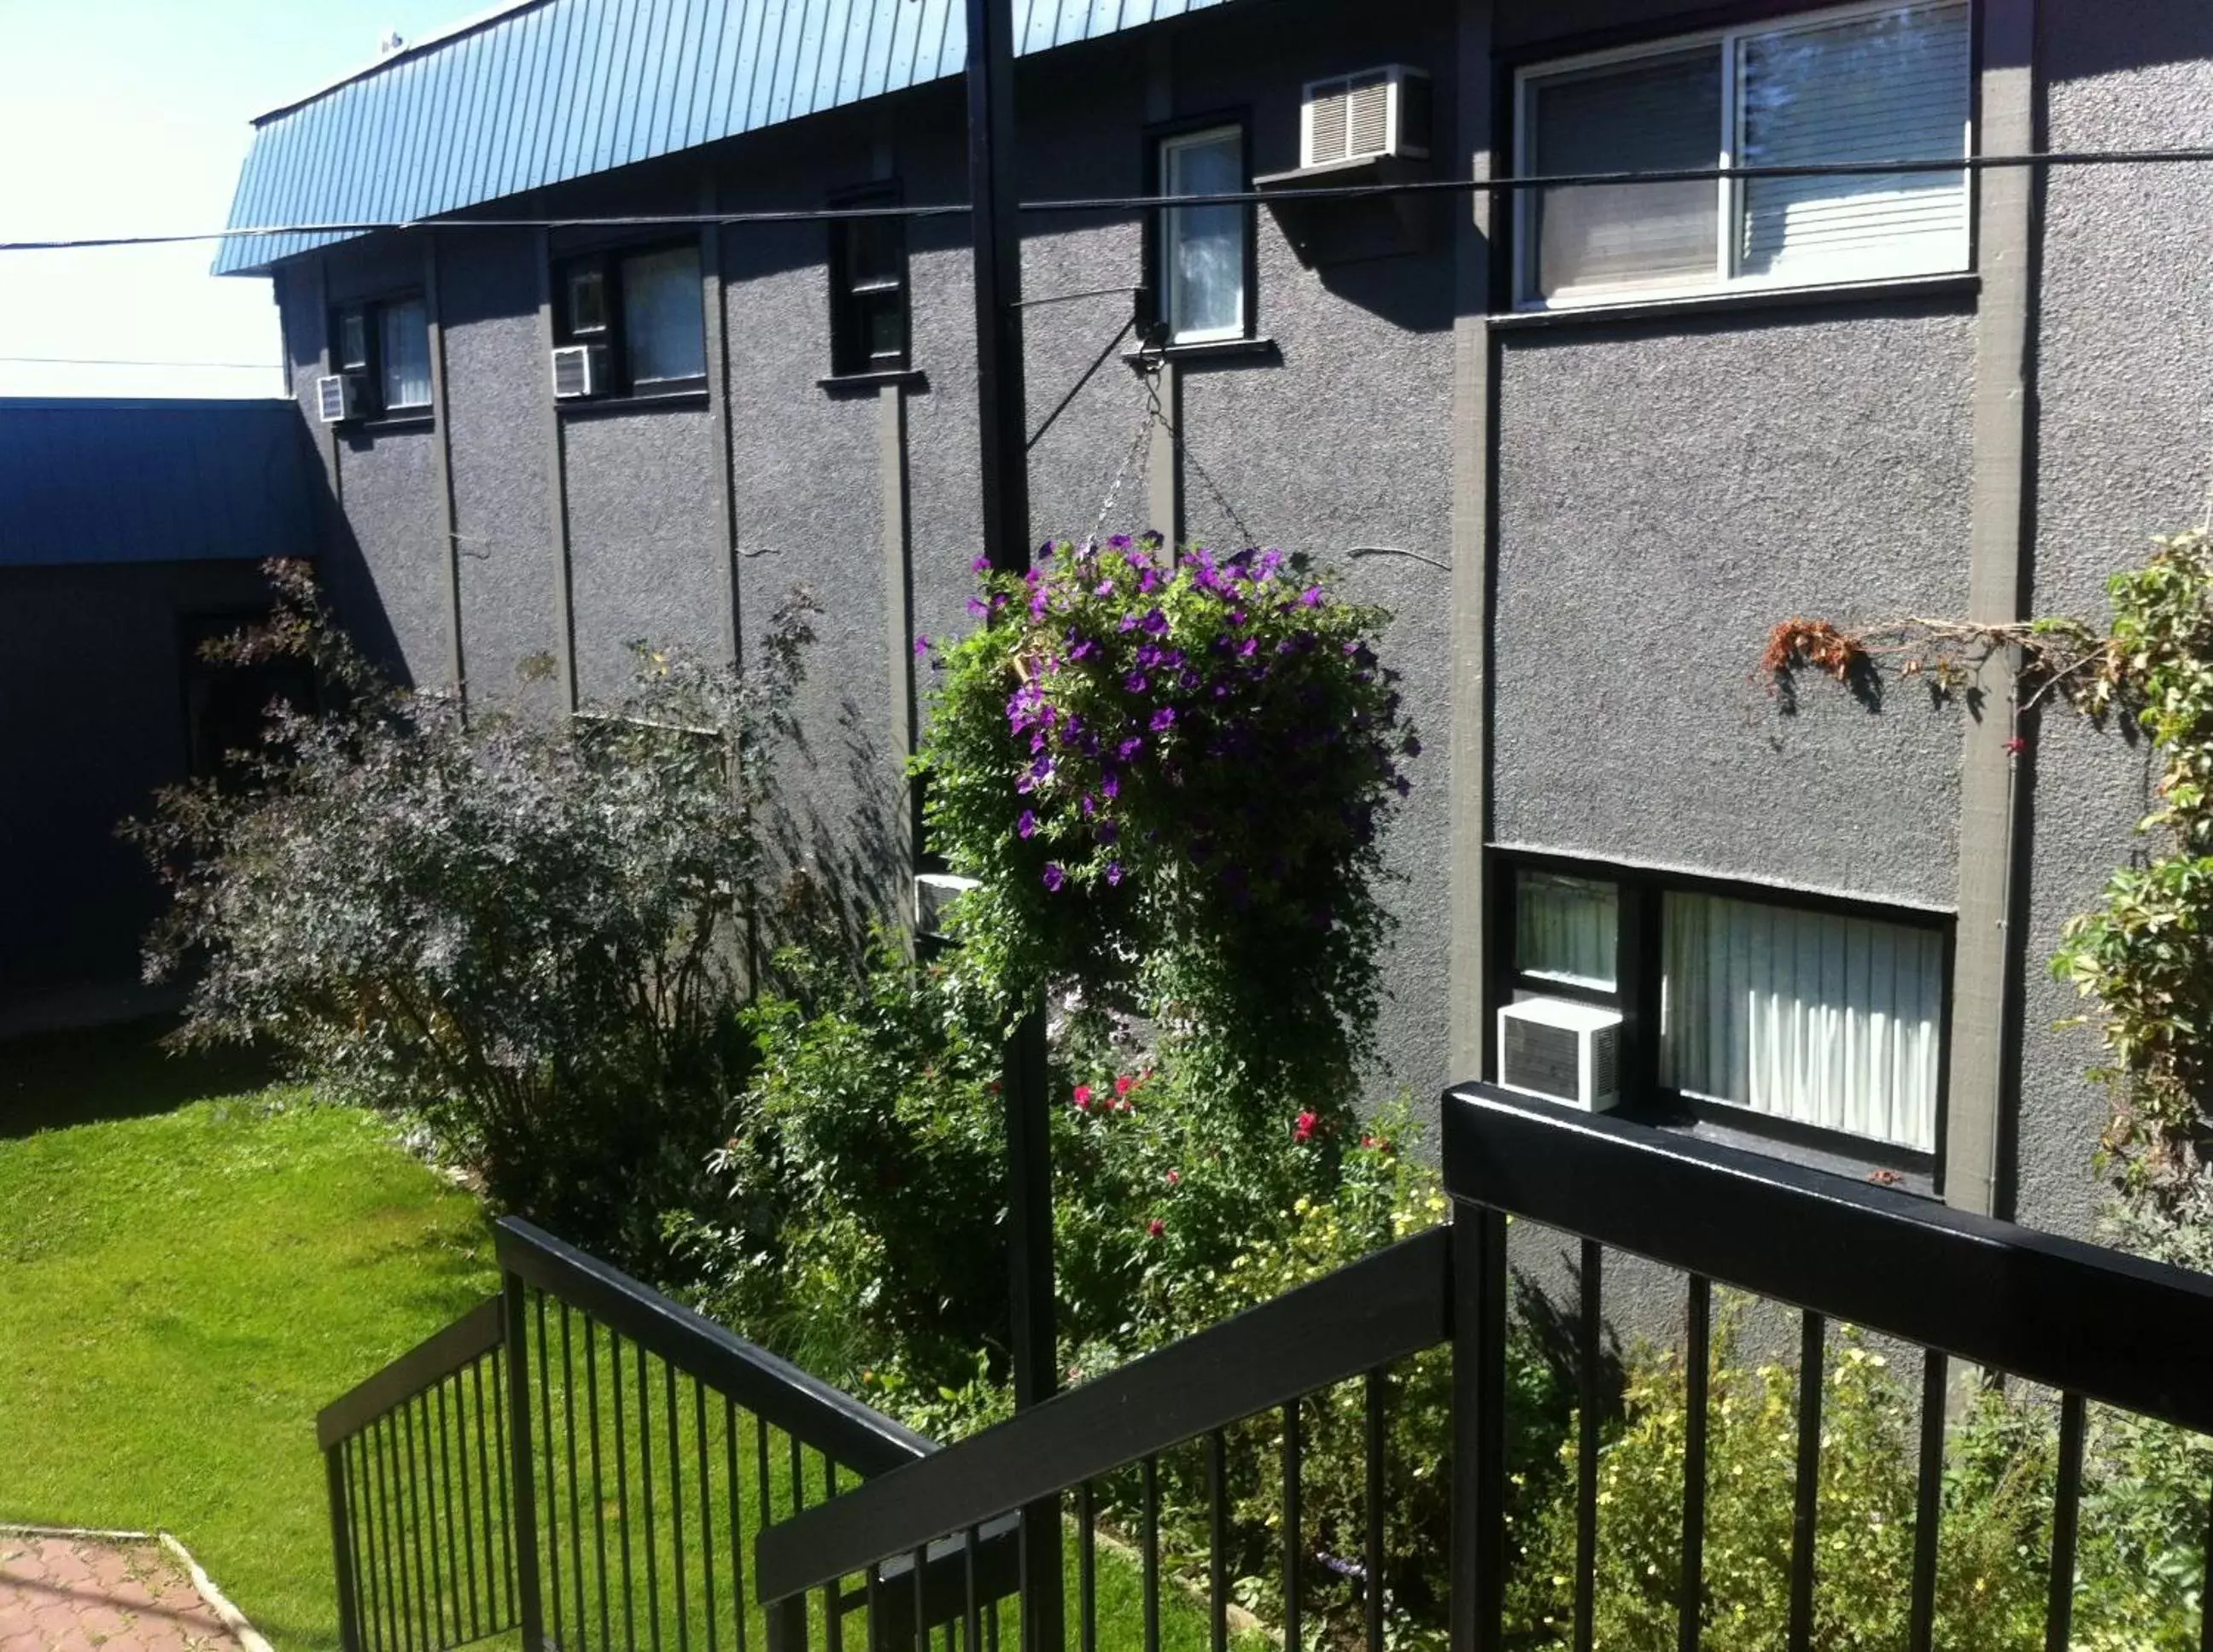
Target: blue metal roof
<point>99,480</point>
<point>556,89</point>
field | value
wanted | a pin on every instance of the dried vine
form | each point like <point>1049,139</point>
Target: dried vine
<point>2144,955</point>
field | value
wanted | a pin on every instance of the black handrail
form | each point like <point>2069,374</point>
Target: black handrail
<point>2075,1317</point>
<point>1343,1325</point>
<point>437,1356</point>
<point>778,1392</point>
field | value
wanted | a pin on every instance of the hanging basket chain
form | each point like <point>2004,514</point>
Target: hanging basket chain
<point>1137,456</point>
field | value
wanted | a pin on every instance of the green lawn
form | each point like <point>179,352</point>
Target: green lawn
<point>186,1286</point>
<point>196,1263</point>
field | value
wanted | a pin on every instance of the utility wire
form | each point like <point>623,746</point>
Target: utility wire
<point>1128,203</point>
<point>131,361</point>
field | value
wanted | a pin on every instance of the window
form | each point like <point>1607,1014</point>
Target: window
<point>386,344</point>
<point>646,306</point>
<point>867,290</point>
<point>1866,84</point>
<point>1767,1013</point>
<point>1204,254</point>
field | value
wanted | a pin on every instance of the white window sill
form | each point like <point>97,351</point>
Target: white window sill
<point>1662,306</point>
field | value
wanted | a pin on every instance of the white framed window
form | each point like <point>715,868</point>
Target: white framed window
<point>1204,275</point>
<point>1862,83</point>
<point>404,353</point>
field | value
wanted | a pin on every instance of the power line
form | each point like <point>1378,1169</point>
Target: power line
<point>132,361</point>
<point>1123,204</point>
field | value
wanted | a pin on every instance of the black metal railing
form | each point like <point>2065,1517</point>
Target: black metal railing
<point>2090,1325</point>
<point>1113,1440</point>
<point>583,1461</point>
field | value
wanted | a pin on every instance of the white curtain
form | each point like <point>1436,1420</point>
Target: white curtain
<point>1889,87</point>
<point>1650,116</point>
<point>1204,246</point>
<point>1825,1020</point>
<point>1565,928</point>
<point>663,329</point>
<point>404,348</point>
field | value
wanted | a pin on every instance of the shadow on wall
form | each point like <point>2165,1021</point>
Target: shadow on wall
<point>844,874</point>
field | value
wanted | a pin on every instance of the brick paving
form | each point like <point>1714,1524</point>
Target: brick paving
<point>70,1594</point>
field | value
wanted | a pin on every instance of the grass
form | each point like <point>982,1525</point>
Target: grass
<point>197,1262</point>
<point>186,1286</point>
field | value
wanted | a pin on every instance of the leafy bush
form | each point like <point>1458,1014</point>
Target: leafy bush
<point>1168,776</point>
<point>529,938</point>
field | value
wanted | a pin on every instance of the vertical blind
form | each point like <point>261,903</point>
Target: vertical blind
<point>403,350</point>
<point>1888,87</point>
<point>1823,1019</point>
<point>1565,928</point>
<point>663,328</point>
<point>1203,246</point>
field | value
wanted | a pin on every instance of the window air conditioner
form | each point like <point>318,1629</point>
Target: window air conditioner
<point>1561,1051</point>
<point>338,397</point>
<point>580,370</point>
<point>1356,117</point>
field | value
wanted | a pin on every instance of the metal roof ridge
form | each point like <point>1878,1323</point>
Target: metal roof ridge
<point>428,43</point>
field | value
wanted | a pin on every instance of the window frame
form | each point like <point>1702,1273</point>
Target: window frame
<point>614,331</point>
<point>370,312</point>
<point>1155,325</point>
<point>1639,967</point>
<point>1725,279</point>
<point>850,357</point>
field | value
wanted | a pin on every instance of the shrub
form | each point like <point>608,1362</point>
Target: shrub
<point>528,938</point>
<point>1168,776</point>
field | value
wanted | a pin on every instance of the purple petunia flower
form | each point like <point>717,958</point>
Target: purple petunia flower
<point>1154,623</point>
<point>976,608</point>
<point>1026,824</point>
<point>1135,682</point>
<point>1118,542</point>
<point>1110,784</point>
<point>1114,872</point>
<point>1163,719</point>
<point>1104,587</point>
<point>981,565</point>
<point>1311,597</point>
<point>1129,747</point>
<point>921,646</point>
<point>1083,650</point>
<point>1054,876</point>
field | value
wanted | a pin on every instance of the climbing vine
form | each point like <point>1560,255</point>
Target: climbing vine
<point>2142,956</point>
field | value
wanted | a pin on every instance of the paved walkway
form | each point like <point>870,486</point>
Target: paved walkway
<point>67,1595</point>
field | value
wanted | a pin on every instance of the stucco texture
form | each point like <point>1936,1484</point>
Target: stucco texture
<point>1665,495</point>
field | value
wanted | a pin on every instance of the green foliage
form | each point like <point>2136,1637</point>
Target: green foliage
<point>1169,776</point>
<point>528,937</point>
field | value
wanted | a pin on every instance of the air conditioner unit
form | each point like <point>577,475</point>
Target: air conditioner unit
<point>1561,1051</point>
<point>580,370</point>
<point>1376,111</point>
<point>338,397</point>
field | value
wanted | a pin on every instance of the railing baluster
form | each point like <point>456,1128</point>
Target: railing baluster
<point>354,1457</point>
<point>1587,1356</point>
<point>1928,1504</point>
<point>379,1431</point>
<point>622,1491</point>
<point>645,1482</point>
<point>334,1477</point>
<point>1478,1600</point>
<point>1806,1490</point>
<point>1150,1533</point>
<point>599,1482</point>
<point>1217,1540</point>
<point>706,1507</point>
<point>1697,1361</point>
<point>468,1513</point>
<point>553,1504</point>
<point>760,1483</point>
<point>676,1506</point>
<point>425,1585</point>
<point>833,1619</point>
<point>1293,1542</point>
<point>503,1387</point>
<point>2066,1507</point>
<point>737,1496</point>
<point>524,1542</point>
<point>568,1442</point>
<point>1086,1569</point>
<point>971,1617</point>
<point>921,1606</point>
<point>1372,1397</point>
<point>446,1495</point>
<point>484,1460</point>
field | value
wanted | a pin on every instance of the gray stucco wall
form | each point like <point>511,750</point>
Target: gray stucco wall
<point>1667,492</point>
<point>2123,429</point>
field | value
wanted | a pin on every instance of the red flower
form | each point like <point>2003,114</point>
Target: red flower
<point>1174,1176</point>
<point>1155,1228</point>
<point>1307,1123</point>
<point>1124,1085</point>
<point>1083,1098</point>
<point>2017,745</point>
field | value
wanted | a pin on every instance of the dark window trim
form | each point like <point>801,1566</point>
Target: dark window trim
<point>850,362</point>
<point>1152,295</point>
<point>608,256</point>
<point>373,414</point>
<point>1637,967</point>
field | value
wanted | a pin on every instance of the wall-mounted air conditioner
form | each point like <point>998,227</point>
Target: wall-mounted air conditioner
<point>338,397</point>
<point>580,370</point>
<point>1376,111</point>
<point>1561,1051</point>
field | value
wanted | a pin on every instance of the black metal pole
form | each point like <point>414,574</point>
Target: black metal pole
<point>1002,408</point>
